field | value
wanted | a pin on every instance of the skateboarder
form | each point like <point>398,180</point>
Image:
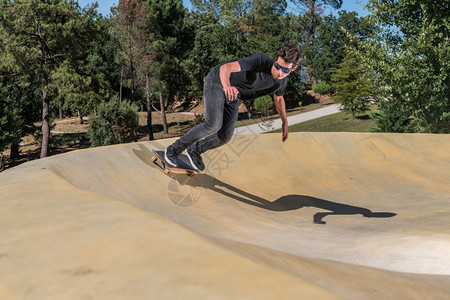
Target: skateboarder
<point>226,84</point>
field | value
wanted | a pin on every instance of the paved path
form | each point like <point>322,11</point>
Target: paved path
<point>303,117</point>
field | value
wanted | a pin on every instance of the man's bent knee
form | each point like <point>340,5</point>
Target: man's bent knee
<point>212,127</point>
<point>225,138</point>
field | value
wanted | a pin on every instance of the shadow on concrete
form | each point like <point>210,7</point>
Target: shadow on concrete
<point>285,203</point>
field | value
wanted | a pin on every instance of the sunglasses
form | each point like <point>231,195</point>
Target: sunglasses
<point>285,70</point>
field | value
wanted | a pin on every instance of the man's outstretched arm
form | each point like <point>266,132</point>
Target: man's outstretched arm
<point>281,108</point>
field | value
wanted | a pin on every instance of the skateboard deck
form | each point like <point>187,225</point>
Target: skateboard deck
<point>183,166</point>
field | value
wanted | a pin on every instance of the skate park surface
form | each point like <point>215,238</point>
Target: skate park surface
<point>321,216</point>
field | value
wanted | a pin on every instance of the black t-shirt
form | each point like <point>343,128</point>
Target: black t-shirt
<point>255,78</point>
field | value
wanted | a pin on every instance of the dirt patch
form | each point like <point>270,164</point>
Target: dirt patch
<point>200,109</point>
<point>71,125</point>
<point>317,98</point>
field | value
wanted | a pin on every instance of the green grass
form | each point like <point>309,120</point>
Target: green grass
<point>340,122</point>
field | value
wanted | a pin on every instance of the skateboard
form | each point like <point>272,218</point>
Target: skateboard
<point>183,165</point>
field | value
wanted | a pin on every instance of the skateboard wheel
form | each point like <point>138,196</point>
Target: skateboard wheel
<point>190,174</point>
<point>167,171</point>
<point>154,158</point>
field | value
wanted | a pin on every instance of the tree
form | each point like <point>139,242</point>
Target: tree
<point>10,122</point>
<point>114,123</point>
<point>354,89</point>
<point>79,89</point>
<point>46,33</point>
<point>133,52</point>
<point>410,58</point>
<point>20,107</point>
<point>334,36</point>
<point>310,21</point>
<point>82,80</point>
<point>264,31</point>
<point>221,32</point>
<point>166,19</point>
<point>203,54</point>
<point>128,31</point>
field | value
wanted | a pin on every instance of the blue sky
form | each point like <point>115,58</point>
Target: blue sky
<point>348,5</point>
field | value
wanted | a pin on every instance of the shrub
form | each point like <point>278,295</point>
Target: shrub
<point>308,85</point>
<point>264,104</point>
<point>322,88</point>
<point>114,123</point>
<point>392,118</point>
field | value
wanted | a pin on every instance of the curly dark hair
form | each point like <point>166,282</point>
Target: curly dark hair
<point>290,53</point>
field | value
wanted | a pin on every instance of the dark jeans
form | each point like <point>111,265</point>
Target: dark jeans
<point>220,120</point>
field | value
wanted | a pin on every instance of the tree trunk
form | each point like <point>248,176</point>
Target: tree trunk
<point>311,39</point>
<point>45,99</point>
<point>45,119</point>
<point>163,113</point>
<point>149,109</point>
<point>133,84</point>
<point>120,83</point>
<point>81,117</point>
<point>60,110</point>
<point>130,53</point>
<point>312,25</point>
<point>14,151</point>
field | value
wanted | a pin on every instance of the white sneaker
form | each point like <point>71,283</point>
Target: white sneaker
<point>170,157</point>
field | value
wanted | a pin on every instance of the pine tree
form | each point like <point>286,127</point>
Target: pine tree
<point>392,117</point>
<point>166,20</point>
<point>353,86</point>
<point>10,122</point>
<point>311,20</point>
<point>39,36</point>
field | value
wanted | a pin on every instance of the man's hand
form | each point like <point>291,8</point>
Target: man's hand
<point>281,108</point>
<point>285,131</point>
<point>231,92</point>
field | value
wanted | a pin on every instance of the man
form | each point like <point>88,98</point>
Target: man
<point>226,84</point>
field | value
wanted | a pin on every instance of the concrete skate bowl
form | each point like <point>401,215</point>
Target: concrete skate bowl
<point>321,216</point>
